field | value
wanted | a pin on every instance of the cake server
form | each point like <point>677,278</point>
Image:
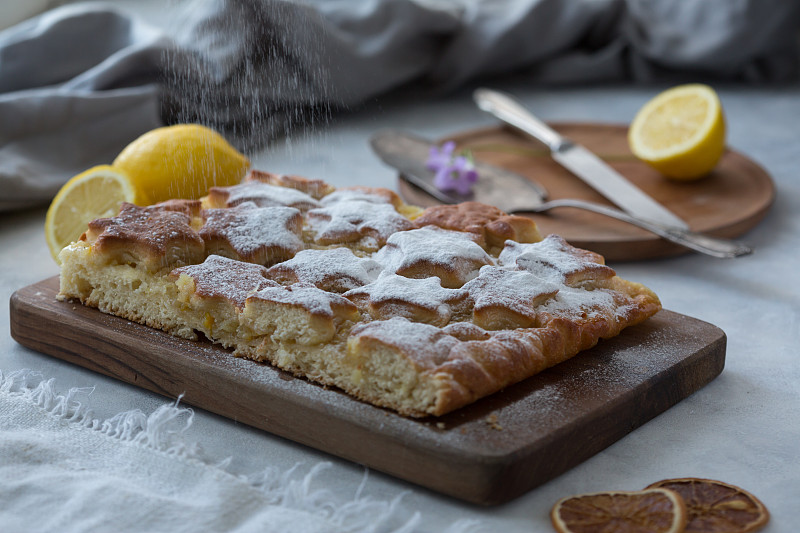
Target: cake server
<point>514,193</point>
<point>578,160</point>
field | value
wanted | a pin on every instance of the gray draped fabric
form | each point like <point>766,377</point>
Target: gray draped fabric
<point>81,81</point>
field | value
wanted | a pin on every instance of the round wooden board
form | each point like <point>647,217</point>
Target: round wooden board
<point>726,203</point>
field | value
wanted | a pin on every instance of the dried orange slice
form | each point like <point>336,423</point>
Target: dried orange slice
<point>717,507</point>
<point>647,511</point>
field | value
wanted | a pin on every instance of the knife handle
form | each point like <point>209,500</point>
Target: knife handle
<point>507,109</point>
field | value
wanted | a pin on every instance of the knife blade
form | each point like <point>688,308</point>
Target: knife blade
<point>496,186</point>
<point>578,160</point>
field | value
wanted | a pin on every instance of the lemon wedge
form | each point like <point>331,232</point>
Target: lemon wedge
<point>680,132</point>
<point>180,161</point>
<point>95,193</point>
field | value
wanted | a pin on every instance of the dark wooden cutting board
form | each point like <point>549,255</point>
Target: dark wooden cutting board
<point>728,202</point>
<point>486,453</point>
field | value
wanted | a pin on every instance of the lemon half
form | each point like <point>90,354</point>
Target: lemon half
<point>95,193</point>
<point>180,161</point>
<point>680,132</point>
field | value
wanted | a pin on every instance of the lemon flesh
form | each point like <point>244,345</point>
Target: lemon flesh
<point>95,193</point>
<point>680,132</point>
<point>180,161</point>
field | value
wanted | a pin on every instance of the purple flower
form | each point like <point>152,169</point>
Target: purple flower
<point>453,173</point>
<point>439,158</point>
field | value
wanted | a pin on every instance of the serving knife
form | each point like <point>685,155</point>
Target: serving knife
<point>578,160</point>
<point>514,193</point>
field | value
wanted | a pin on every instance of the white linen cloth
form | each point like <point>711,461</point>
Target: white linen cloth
<point>63,470</point>
<point>81,81</point>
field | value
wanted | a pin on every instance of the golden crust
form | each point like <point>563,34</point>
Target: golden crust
<point>331,269</point>
<point>419,300</point>
<point>225,279</point>
<point>386,195</point>
<point>261,194</point>
<point>507,299</point>
<point>314,188</point>
<point>490,224</point>
<point>158,236</point>
<point>555,259</point>
<point>452,256</point>
<point>238,233</point>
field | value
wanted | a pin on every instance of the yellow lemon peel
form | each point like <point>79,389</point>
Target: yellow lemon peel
<point>680,132</point>
<point>180,161</point>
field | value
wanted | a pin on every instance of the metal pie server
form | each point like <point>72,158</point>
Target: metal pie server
<point>578,160</point>
<point>513,193</point>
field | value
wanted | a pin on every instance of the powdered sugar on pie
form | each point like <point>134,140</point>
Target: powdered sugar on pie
<point>452,256</point>
<point>421,300</point>
<point>428,346</point>
<point>508,298</point>
<point>313,300</point>
<point>263,195</point>
<point>362,194</point>
<point>334,269</point>
<point>354,220</point>
<point>220,277</point>
<point>554,259</point>
<point>263,235</point>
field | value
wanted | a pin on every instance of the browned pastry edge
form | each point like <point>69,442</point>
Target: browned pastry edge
<point>478,368</point>
<point>489,223</point>
<point>592,265</point>
<point>158,236</point>
<point>388,195</point>
<point>220,238</point>
<point>317,189</point>
<point>337,281</point>
<point>359,228</point>
<point>222,278</point>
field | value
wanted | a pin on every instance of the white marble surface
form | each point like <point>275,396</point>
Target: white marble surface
<point>743,428</point>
